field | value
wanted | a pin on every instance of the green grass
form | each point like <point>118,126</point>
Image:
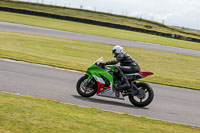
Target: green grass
<point>99,16</point>
<point>28,114</point>
<point>95,30</point>
<point>169,68</point>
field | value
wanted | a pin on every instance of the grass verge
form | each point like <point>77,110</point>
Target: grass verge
<point>95,30</point>
<point>35,115</point>
<point>169,68</point>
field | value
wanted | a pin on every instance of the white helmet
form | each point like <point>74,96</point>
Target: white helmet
<point>117,50</point>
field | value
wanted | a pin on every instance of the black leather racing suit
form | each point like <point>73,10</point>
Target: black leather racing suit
<point>127,63</point>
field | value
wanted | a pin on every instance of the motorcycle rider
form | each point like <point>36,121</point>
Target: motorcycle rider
<point>127,65</point>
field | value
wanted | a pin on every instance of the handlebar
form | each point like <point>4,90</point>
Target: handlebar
<point>101,66</point>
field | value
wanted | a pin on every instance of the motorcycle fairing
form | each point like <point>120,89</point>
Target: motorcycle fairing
<point>95,70</point>
<point>106,92</point>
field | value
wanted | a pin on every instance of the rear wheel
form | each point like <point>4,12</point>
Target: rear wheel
<point>86,89</point>
<point>144,97</point>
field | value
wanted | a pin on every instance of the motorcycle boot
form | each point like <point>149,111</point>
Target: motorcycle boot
<point>124,80</point>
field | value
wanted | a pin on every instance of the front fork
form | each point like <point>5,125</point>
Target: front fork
<point>88,80</point>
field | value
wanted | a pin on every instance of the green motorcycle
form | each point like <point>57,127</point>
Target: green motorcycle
<point>101,80</point>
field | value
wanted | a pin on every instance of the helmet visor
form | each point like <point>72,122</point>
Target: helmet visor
<point>114,52</point>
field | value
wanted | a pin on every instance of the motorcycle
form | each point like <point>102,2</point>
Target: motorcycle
<point>100,80</point>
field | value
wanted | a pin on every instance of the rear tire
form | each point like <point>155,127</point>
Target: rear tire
<point>144,89</point>
<point>86,91</point>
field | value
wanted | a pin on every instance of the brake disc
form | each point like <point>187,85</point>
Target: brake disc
<point>141,94</point>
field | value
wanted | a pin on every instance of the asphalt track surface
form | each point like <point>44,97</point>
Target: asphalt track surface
<point>172,104</point>
<point>5,26</point>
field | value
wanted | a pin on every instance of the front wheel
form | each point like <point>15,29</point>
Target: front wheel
<point>86,89</point>
<point>144,97</point>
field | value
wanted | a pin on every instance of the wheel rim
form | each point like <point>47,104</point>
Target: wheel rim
<point>85,89</point>
<point>142,96</point>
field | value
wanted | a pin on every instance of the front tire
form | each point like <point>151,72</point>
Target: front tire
<point>84,89</point>
<point>144,97</point>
